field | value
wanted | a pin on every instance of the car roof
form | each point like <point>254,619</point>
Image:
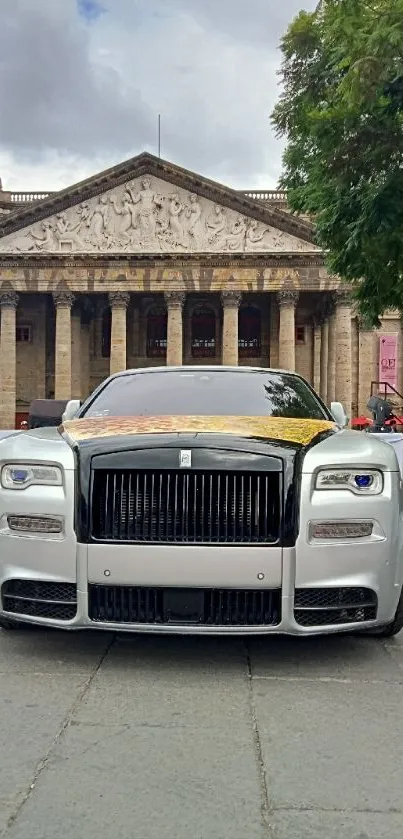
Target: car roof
<point>210,368</point>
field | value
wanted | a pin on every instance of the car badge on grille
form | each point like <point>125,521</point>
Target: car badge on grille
<point>185,459</point>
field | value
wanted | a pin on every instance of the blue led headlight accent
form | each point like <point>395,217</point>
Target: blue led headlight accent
<point>19,476</point>
<point>363,481</point>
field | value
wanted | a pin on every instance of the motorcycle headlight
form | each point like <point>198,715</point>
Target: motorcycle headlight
<point>358,481</point>
<point>24,475</point>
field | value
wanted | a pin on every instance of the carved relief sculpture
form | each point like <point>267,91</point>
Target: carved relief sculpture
<point>197,227</point>
<point>147,216</point>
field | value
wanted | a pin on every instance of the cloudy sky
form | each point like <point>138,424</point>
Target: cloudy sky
<point>82,83</point>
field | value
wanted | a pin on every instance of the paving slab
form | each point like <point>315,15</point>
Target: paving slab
<point>331,825</point>
<point>146,783</point>
<point>180,659</point>
<point>344,657</point>
<point>33,710</point>
<point>50,651</point>
<point>330,745</point>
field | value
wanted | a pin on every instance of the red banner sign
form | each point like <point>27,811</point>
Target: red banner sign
<point>388,360</point>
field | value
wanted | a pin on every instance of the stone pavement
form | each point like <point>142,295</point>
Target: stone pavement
<point>137,737</point>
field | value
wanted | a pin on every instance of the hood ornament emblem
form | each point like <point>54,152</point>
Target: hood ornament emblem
<point>185,459</point>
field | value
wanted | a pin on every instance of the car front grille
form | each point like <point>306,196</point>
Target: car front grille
<point>329,606</point>
<point>38,599</point>
<point>203,607</point>
<point>186,507</point>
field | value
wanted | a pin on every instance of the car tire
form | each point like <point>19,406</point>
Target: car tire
<point>394,627</point>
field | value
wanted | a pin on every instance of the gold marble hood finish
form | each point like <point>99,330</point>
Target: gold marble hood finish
<point>300,431</point>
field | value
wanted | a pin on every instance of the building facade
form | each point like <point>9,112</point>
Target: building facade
<point>150,264</point>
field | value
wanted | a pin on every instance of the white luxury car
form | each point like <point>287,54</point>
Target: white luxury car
<point>201,500</point>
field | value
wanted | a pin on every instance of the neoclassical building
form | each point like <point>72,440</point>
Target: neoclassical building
<point>149,264</point>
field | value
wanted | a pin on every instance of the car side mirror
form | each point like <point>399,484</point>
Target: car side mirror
<point>71,409</point>
<point>339,415</point>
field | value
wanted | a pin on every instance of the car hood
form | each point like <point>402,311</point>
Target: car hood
<point>323,446</point>
<point>295,431</point>
<point>37,445</point>
<point>355,448</point>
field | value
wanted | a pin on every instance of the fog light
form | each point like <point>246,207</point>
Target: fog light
<point>340,529</point>
<point>35,524</point>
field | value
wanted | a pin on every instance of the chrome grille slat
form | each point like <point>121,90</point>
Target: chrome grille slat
<point>178,506</point>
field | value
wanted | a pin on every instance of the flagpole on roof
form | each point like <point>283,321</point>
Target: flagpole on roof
<point>159,135</point>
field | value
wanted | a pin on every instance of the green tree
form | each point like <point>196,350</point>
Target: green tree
<point>341,113</point>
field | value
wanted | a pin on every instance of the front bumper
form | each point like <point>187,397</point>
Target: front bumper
<point>373,566</point>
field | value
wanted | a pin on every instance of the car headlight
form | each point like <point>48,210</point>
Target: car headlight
<point>359,481</point>
<point>23,475</point>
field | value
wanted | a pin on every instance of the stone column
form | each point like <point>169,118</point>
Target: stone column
<point>119,301</point>
<point>8,367</point>
<point>175,301</point>
<point>230,301</point>
<point>63,300</point>
<point>317,349</point>
<point>343,349</point>
<point>366,363</point>
<point>324,360</point>
<point>331,364</point>
<point>287,301</point>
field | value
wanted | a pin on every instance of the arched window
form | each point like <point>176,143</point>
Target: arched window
<point>157,332</point>
<point>106,333</point>
<point>203,332</point>
<point>249,332</point>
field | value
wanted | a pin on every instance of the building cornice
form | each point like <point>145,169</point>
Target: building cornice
<point>297,260</point>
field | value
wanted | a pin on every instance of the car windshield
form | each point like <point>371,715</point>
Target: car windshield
<point>207,393</point>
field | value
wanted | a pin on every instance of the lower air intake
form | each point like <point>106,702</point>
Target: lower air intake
<point>165,606</point>
<point>330,606</point>
<point>37,599</point>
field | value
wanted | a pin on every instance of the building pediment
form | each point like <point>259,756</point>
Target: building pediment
<point>151,207</point>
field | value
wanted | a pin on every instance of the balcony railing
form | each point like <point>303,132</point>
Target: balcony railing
<point>274,195</point>
<point>27,197</point>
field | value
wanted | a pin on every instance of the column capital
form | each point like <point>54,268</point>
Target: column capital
<point>63,298</point>
<point>287,297</point>
<point>364,324</point>
<point>174,299</point>
<point>343,295</point>
<point>231,299</point>
<point>119,299</point>
<point>8,298</point>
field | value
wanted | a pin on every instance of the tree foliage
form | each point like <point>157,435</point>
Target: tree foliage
<point>341,113</point>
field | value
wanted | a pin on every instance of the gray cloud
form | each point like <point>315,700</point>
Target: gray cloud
<point>93,89</point>
<point>53,93</point>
